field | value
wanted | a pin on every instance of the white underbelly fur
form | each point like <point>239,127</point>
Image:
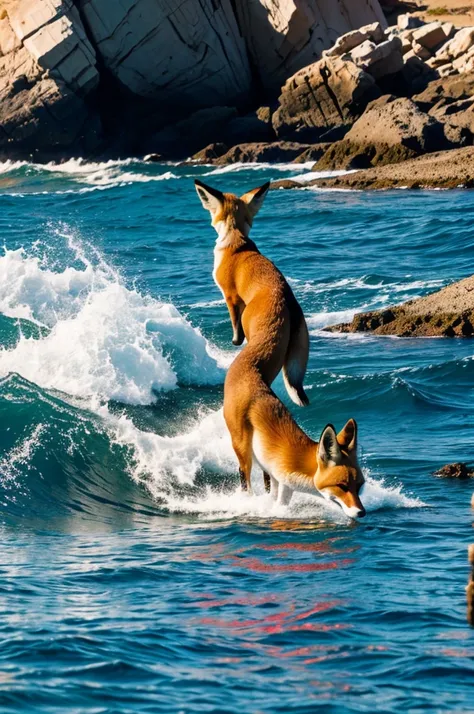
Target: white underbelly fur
<point>297,482</point>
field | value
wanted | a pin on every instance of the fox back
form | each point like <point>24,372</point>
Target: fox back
<point>261,304</point>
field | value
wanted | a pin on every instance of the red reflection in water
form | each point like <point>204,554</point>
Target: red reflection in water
<point>278,622</point>
<point>462,653</point>
<point>326,547</point>
<point>260,567</point>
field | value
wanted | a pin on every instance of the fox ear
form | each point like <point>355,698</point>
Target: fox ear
<point>211,198</point>
<point>255,198</point>
<point>347,437</point>
<point>329,450</point>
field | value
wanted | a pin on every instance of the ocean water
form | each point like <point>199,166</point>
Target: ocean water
<point>134,577</point>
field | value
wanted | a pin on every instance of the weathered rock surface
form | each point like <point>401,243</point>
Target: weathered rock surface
<point>322,101</point>
<point>47,69</point>
<point>444,169</point>
<point>156,61</point>
<point>446,313</point>
<point>278,151</point>
<point>458,470</point>
<point>283,36</point>
<point>186,53</point>
<point>379,60</point>
<point>444,91</point>
<point>390,130</point>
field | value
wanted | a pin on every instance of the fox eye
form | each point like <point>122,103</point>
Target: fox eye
<point>344,487</point>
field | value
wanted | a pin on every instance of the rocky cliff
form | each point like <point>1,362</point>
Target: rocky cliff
<point>77,76</point>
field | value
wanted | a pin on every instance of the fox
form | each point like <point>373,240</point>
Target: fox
<point>263,431</point>
<point>261,304</point>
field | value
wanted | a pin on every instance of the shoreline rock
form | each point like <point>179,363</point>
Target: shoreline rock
<point>440,170</point>
<point>77,79</point>
<point>448,312</point>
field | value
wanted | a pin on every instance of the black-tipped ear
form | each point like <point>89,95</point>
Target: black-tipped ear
<point>329,450</point>
<point>255,198</point>
<point>347,437</point>
<point>211,198</point>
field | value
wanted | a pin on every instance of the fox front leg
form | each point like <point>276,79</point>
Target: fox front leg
<point>235,312</point>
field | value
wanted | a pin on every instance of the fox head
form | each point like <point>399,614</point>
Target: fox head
<point>339,477</point>
<point>229,212</point>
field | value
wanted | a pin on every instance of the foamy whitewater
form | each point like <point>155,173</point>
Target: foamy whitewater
<point>136,576</point>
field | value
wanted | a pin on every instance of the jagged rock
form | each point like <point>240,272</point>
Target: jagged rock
<point>182,53</point>
<point>313,153</point>
<point>8,39</point>
<point>458,45</point>
<point>457,470</point>
<point>379,60</point>
<point>465,63</point>
<point>42,113</point>
<point>283,36</point>
<point>54,35</point>
<point>210,153</point>
<point>281,151</point>
<point>420,51</point>
<point>393,130</point>
<point>445,91</point>
<point>321,101</point>
<point>408,22</point>
<point>417,73</point>
<point>345,154</point>
<point>458,114</point>
<point>446,70</point>
<point>430,36</point>
<point>398,123</point>
<point>373,33</point>
<point>446,313</point>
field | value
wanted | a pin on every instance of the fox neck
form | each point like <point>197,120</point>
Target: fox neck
<point>229,233</point>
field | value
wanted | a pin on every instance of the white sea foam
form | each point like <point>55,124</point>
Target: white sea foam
<point>95,174</point>
<point>166,463</point>
<point>303,178</point>
<point>324,319</point>
<point>19,457</point>
<point>105,340</point>
<point>258,166</point>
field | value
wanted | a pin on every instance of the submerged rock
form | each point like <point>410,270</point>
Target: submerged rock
<point>457,470</point>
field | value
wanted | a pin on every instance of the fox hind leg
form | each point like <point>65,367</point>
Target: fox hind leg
<point>243,451</point>
<point>274,487</point>
<point>284,495</point>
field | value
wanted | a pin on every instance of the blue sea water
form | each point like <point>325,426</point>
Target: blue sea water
<point>134,577</point>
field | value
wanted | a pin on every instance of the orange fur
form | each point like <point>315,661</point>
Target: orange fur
<point>263,429</point>
<point>261,304</point>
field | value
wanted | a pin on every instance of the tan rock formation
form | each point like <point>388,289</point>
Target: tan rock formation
<point>321,99</point>
<point>446,313</point>
<point>187,53</point>
<point>48,65</point>
<point>283,36</point>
